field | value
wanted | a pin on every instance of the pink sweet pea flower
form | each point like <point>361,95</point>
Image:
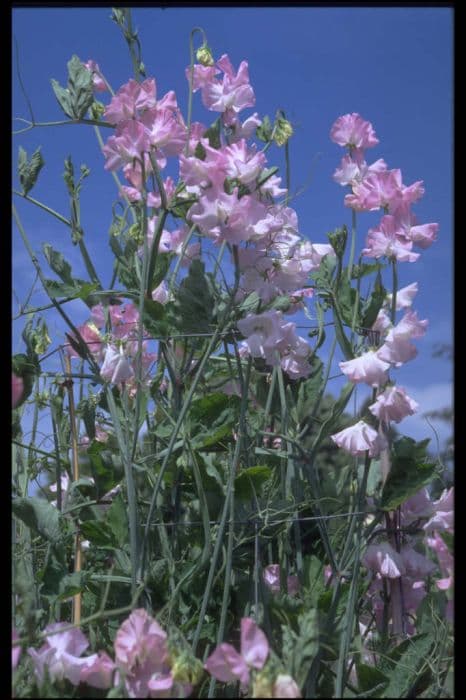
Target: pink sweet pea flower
<point>417,565</point>
<point>141,653</point>
<point>397,348</point>
<point>60,654</point>
<point>233,93</point>
<point>351,130</point>
<point>17,389</point>
<point>116,367</point>
<point>98,671</point>
<point>393,405</point>
<point>226,664</point>
<point>271,576</point>
<point>360,438</point>
<point>378,189</point>
<point>367,368</point>
<point>130,142</point>
<point>386,241</point>
<point>130,98</point>
<point>98,82</point>
<point>91,336</point>
<point>15,650</point>
<point>245,130</point>
<point>404,296</point>
<point>353,168</point>
<point>384,560</point>
<point>442,518</point>
<point>285,687</point>
<point>243,163</point>
<point>418,506</point>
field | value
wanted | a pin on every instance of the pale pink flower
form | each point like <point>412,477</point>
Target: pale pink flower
<point>416,507</point>
<point>243,163</point>
<point>131,141</point>
<point>271,576</point>
<point>378,189</point>
<point>117,367</point>
<point>201,75</point>
<point>131,98</point>
<point>245,130</point>
<point>233,93</point>
<point>442,519</point>
<point>382,322</point>
<point>417,565</point>
<point>91,336</point>
<point>141,652</point>
<point>60,654</point>
<point>354,169</point>
<point>404,296</point>
<point>359,439</point>
<point>397,347</point>
<point>97,81</point>
<point>17,389</point>
<point>393,405</point>
<point>263,333</point>
<point>421,235</point>
<point>165,128</point>
<point>353,131</point>
<point>161,293</point>
<point>367,368</point>
<point>386,241</point>
<point>285,687</point>
<point>15,650</point>
<point>98,671</point>
<point>226,664</point>
<point>384,560</point>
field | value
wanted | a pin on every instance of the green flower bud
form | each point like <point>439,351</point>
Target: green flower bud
<point>262,686</point>
<point>97,110</point>
<point>135,233</point>
<point>204,56</point>
<point>187,669</point>
<point>283,131</point>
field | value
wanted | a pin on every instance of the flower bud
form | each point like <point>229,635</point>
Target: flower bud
<point>97,110</point>
<point>187,669</point>
<point>262,686</point>
<point>283,131</point>
<point>204,56</point>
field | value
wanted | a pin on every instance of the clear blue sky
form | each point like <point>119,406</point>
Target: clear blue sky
<point>392,65</point>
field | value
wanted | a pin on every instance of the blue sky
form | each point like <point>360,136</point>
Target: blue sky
<point>392,65</point>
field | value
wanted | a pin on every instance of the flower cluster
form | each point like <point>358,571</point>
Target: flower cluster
<point>373,187</point>
<point>232,193</point>
<point>410,565</point>
<point>111,337</point>
<point>149,664</point>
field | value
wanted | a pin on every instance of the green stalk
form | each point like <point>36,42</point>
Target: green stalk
<point>226,507</point>
<point>353,243</point>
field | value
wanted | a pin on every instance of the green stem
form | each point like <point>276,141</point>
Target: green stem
<point>394,289</point>
<point>33,125</point>
<point>191,72</point>
<point>353,243</point>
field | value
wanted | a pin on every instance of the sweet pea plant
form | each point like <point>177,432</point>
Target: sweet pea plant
<point>212,522</point>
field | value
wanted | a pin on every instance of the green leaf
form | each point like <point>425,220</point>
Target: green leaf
<point>407,660</point>
<point>369,677</point>
<point>409,472</point>
<point>162,266</point>
<point>29,170</point>
<point>346,301</point>
<point>372,306</point>
<point>250,481</point>
<point>194,302</point>
<point>208,408</point>
<point>98,533</point>
<point>58,264</point>
<point>78,290</point>
<point>63,98</point>
<point>71,584</point>
<point>213,134</point>
<point>264,130</point>
<point>117,520</point>
<point>309,390</point>
<point>39,516</point>
<point>80,87</point>
<point>364,269</point>
<point>102,466</point>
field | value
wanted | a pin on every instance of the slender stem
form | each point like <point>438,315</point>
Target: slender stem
<point>353,243</point>
<point>64,122</point>
<point>49,210</point>
<point>191,73</point>
<point>394,289</point>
